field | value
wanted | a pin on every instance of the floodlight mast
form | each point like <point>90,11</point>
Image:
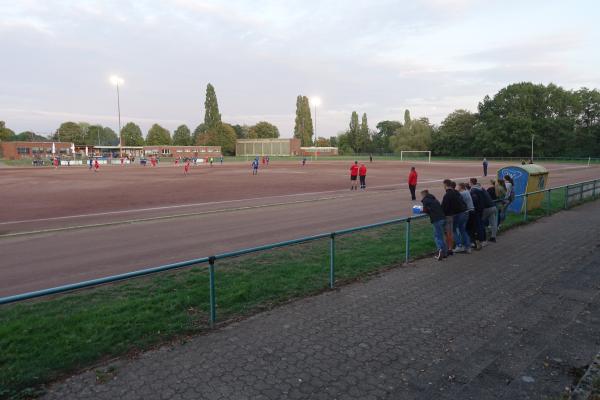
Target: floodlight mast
<point>117,80</point>
<point>315,101</point>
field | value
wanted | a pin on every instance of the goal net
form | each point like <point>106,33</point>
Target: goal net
<point>417,155</point>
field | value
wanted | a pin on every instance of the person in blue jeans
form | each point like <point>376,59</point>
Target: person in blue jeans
<point>456,211</point>
<point>433,208</point>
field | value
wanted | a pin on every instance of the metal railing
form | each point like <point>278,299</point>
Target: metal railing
<point>573,193</point>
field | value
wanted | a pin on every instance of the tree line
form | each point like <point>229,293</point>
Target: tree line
<point>212,132</point>
<point>563,123</point>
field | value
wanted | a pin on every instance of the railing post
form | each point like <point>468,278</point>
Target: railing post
<point>581,192</point>
<point>211,282</point>
<point>566,197</point>
<point>332,260</point>
<point>549,201</point>
<point>525,208</point>
<point>407,249</point>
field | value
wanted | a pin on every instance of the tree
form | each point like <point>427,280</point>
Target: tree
<point>381,138</point>
<point>223,135</point>
<point>182,136</point>
<point>241,131</point>
<point>212,118</point>
<point>587,128</point>
<point>5,133</point>
<point>303,128</point>
<point>68,132</point>
<point>414,135</point>
<point>343,144</point>
<point>108,137</point>
<point>456,135</point>
<point>263,130</point>
<point>323,142</point>
<point>364,136</point>
<point>131,135</point>
<point>333,141</point>
<point>200,129</point>
<point>508,121</point>
<point>406,117</point>
<point>158,136</point>
<point>97,135</point>
<point>29,136</point>
<point>353,133</point>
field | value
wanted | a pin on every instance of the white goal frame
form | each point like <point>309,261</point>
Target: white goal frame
<point>416,151</point>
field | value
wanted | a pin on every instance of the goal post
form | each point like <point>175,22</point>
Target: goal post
<point>426,153</point>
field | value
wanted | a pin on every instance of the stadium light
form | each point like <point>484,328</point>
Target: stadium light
<point>315,101</point>
<point>117,80</point>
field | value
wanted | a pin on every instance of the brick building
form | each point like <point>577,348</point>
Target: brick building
<point>39,150</point>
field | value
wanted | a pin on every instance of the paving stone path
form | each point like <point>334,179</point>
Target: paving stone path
<point>518,320</point>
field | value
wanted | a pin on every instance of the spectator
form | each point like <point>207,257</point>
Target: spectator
<point>456,214</point>
<point>412,182</point>
<point>492,190</point>
<point>433,208</point>
<point>490,212</point>
<point>478,217</point>
<point>463,189</point>
<point>485,166</point>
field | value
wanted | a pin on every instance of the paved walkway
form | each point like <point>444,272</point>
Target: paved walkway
<point>515,321</point>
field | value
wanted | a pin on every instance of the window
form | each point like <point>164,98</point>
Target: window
<point>166,152</point>
<point>23,150</point>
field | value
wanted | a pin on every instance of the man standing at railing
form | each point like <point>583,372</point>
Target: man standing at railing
<point>485,166</point>
<point>432,207</point>
<point>457,215</point>
<point>489,213</point>
<point>412,182</point>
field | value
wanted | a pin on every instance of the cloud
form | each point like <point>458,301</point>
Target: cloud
<point>546,47</point>
<point>26,24</point>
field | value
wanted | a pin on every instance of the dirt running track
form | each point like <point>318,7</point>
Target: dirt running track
<point>71,224</point>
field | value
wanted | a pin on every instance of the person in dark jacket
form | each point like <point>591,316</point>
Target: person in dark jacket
<point>489,212</point>
<point>457,214</point>
<point>433,208</point>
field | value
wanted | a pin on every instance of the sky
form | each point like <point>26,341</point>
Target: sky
<point>371,56</point>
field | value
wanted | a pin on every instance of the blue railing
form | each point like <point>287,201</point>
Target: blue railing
<point>573,193</point>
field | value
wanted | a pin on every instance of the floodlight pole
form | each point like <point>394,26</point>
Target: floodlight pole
<point>316,152</point>
<point>119,112</point>
<point>315,125</point>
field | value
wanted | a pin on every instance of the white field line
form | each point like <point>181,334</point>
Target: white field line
<point>176,206</point>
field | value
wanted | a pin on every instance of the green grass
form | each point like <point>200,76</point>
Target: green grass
<point>45,339</point>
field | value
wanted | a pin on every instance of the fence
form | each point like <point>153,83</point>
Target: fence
<point>555,198</point>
